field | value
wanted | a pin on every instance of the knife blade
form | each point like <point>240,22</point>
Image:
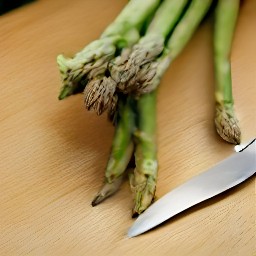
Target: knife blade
<point>223,176</point>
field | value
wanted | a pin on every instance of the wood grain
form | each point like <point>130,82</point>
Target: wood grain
<point>53,153</point>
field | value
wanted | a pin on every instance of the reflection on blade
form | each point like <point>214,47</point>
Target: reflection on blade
<point>226,174</point>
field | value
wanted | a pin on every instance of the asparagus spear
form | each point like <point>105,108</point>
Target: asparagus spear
<point>150,74</point>
<point>122,32</point>
<point>143,181</point>
<point>121,152</point>
<point>124,67</point>
<point>225,120</point>
<point>152,44</point>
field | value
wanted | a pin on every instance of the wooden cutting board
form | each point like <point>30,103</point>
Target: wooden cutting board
<point>53,153</point>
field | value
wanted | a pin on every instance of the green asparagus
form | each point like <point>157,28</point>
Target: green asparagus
<point>124,31</point>
<point>152,44</point>
<point>225,120</point>
<point>121,152</point>
<point>149,76</point>
<point>120,73</point>
<point>143,180</point>
<point>123,68</point>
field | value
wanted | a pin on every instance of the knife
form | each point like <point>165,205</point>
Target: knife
<point>223,176</point>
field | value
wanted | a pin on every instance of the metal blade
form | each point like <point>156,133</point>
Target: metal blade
<point>226,174</point>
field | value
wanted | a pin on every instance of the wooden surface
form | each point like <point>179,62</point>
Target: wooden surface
<point>53,153</point>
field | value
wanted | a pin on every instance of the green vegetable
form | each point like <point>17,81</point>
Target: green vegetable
<point>121,152</point>
<point>150,74</point>
<point>225,120</point>
<point>152,44</point>
<point>120,73</point>
<point>143,180</point>
<point>123,68</point>
<point>123,32</point>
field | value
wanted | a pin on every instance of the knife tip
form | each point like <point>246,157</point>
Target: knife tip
<point>136,230</point>
<point>132,233</point>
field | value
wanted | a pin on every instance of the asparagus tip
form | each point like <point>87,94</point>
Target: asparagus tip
<point>227,124</point>
<point>99,94</point>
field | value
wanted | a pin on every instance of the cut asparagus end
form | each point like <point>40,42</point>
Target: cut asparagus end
<point>227,124</point>
<point>70,86</point>
<point>73,89</point>
<point>86,64</point>
<point>107,190</point>
<point>64,93</point>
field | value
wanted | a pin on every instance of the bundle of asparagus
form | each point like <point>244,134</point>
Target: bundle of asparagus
<point>120,73</point>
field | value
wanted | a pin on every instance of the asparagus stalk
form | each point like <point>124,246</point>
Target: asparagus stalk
<point>121,33</point>
<point>143,181</point>
<point>121,152</point>
<point>124,67</point>
<point>152,44</point>
<point>149,76</point>
<point>225,120</point>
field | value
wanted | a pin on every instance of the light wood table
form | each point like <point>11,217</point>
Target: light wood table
<point>53,153</point>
